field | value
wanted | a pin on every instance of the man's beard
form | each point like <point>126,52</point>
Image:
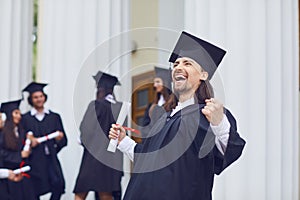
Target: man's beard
<point>38,105</point>
<point>182,89</point>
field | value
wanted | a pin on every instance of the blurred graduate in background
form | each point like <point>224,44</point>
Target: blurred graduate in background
<point>12,140</point>
<point>93,174</point>
<point>46,171</point>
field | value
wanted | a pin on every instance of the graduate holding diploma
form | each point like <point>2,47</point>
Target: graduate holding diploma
<point>13,155</point>
<point>46,172</point>
<point>94,175</point>
<point>6,173</point>
<point>196,139</point>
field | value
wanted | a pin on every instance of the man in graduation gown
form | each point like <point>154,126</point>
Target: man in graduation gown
<point>46,172</point>
<point>100,171</point>
<point>193,140</point>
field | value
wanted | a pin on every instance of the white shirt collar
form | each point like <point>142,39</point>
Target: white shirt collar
<point>110,98</point>
<point>186,103</point>
<point>34,112</point>
<point>161,100</point>
<point>182,105</point>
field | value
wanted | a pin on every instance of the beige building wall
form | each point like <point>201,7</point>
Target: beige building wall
<point>144,14</point>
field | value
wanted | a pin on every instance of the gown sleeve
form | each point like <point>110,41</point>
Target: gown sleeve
<point>234,147</point>
<point>63,142</point>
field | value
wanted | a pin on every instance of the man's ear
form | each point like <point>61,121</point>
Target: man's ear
<point>203,76</point>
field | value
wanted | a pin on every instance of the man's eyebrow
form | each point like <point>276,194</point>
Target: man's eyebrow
<point>188,60</point>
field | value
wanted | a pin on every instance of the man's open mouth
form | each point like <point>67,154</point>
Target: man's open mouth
<point>180,77</point>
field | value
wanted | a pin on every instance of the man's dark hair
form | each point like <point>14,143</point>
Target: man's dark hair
<point>204,91</point>
<point>29,99</point>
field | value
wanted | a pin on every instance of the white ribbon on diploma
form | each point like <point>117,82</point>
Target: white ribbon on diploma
<point>112,146</point>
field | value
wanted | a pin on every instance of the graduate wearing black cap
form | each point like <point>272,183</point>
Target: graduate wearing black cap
<point>12,155</point>
<point>196,139</point>
<point>162,87</point>
<point>93,174</point>
<point>46,172</point>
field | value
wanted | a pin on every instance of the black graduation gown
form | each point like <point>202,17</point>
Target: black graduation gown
<point>146,118</point>
<point>95,174</point>
<point>148,122</point>
<point>155,115</point>
<point>46,172</point>
<point>4,194</point>
<point>180,159</point>
<point>3,182</point>
<point>11,160</point>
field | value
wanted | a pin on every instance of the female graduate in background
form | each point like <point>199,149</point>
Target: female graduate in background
<point>12,138</point>
<point>6,173</point>
<point>162,87</point>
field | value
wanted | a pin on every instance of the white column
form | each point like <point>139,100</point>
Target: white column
<point>170,22</point>
<point>260,79</point>
<point>70,31</point>
<point>16,47</point>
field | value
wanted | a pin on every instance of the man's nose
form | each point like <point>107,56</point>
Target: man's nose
<point>179,68</point>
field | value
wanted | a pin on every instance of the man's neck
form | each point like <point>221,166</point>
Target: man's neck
<point>182,104</point>
<point>184,97</point>
<point>40,109</point>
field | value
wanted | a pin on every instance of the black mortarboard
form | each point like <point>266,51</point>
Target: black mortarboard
<point>10,106</point>
<point>106,80</point>
<point>165,75</point>
<point>207,55</point>
<point>34,87</point>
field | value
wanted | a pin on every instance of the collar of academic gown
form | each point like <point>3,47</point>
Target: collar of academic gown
<point>34,112</point>
<point>39,115</point>
<point>182,105</point>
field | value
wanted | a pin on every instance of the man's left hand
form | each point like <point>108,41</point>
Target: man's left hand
<point>213,111</point>
<point>60,136</point>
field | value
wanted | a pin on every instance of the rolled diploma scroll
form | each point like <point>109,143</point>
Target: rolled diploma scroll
<point>112,146</point>
<point>23,169</point>
<point>27,142</point>
<point>48,137</point>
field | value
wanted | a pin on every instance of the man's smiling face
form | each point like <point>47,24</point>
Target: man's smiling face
<point>186,75</point>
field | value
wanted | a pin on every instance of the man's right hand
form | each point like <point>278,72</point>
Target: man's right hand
<point>117,131</point>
